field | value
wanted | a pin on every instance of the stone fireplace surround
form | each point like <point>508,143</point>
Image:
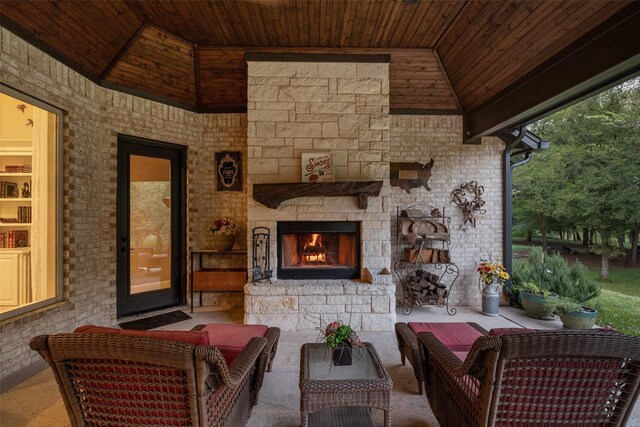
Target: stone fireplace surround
<point>337,107</point>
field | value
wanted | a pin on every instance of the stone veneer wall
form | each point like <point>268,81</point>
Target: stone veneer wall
<point>297,107</point>
<point>93,118</point>
<point>420,138</point>
<point>305,107</point>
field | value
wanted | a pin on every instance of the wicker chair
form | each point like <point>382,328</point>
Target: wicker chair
<point>464,334</point>
<point>123,380</point>
<point>533,378</point>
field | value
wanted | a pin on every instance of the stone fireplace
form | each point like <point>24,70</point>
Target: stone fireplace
<point>318,250</point>
<point>311,105</point>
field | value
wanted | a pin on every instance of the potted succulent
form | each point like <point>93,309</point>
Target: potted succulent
<point>340,339</point>
<point>537,302</point>
<point>575,315</point>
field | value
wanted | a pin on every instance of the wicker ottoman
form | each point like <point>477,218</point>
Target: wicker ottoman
<point>457,336</point>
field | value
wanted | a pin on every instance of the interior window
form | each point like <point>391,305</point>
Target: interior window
<point>29,204</point>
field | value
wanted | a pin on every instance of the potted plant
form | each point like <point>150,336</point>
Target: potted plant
<point>572,283</point>
<point>492,276</point>
<point>537,302</point>
<point>340,339</point>
<point>575,315</point>
<point>224,232</point>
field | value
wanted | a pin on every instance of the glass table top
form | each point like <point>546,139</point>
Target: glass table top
<point>321,367</point>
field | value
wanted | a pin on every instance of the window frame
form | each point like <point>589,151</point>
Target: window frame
<point>59,233</point>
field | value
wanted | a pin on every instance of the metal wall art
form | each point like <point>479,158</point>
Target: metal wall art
<point>408,175</point>
<point>228,171</point>
<point>468,197</point>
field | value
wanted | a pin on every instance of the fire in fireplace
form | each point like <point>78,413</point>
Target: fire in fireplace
<point>314,252</point>
<point>318,250</point>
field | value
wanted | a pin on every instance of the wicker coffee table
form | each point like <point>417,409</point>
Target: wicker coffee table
<point>328,392</point>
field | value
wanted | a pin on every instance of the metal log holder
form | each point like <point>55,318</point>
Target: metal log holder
<point>428,275</point>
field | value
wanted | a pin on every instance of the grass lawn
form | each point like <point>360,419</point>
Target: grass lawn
<point>618,311</point>
<point>619,303</point>
<point>622,280</point>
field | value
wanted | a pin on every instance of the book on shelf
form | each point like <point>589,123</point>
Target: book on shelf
<point>24,214</point>
<point>8,189</point>
<point>8,239</point>
<point>17,168</point>
<point>14,239</point>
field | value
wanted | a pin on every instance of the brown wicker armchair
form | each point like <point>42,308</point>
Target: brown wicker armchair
<point>534,378</point>
<point>122,380</point>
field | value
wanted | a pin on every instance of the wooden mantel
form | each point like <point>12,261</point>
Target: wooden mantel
<point>272,195</point>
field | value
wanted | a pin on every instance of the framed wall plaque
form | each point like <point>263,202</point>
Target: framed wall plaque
<point>228,171</point>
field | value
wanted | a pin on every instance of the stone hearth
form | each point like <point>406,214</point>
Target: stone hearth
<point>303,305</point>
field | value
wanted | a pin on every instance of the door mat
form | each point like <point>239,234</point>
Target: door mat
<point>156,321</point>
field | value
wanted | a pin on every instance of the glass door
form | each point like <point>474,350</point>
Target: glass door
<point>150,225</point>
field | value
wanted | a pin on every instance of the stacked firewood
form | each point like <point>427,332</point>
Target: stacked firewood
<point>426,286</point>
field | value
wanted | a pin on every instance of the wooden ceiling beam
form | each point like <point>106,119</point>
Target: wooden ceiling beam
<point>445,76</point>
<point>568,77</point>
<point>122,52</point>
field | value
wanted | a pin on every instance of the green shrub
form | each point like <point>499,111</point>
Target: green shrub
<point>533,289</point>
<point>553,274</point>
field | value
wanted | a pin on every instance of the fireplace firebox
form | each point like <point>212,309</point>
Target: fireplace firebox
<point>318,249</point>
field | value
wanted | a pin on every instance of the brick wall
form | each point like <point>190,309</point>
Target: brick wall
<point>420,138</point>
<point>93,118</point>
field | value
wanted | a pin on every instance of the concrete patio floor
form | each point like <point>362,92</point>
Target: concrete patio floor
<point>36,402</point>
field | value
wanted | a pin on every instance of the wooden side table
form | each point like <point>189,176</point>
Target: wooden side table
<point>216,279</point>
<point>327,390</point>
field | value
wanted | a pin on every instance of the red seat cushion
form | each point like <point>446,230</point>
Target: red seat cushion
<point>462,355</point>
<point>231,339</point>
<point>189,337</point>
<point>456,336</point>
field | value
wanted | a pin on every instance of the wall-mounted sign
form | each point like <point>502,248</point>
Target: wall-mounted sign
<point>317,167</point>
<point>408,175</point>
<point>228,171</point>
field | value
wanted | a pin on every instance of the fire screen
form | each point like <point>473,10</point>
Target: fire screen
<point>318,250</point>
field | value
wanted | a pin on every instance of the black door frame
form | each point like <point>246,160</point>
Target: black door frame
<point>176,295</point>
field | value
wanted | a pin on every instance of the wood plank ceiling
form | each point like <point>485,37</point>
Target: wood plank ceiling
<point>456,55</point>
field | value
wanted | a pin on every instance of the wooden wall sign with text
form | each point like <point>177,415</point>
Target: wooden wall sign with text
<point>317,167</point>
<point>407,175</point>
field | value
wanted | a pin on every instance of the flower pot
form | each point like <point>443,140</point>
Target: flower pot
<point>584,319</point>
<point>223,242</point>
<point>342,355</point>
<point>538,306</point>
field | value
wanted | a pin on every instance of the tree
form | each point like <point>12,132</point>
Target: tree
<point>535,190</point>
<point>594,161</point>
